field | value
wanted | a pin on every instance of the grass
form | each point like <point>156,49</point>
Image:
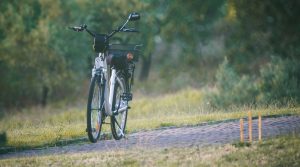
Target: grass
<point>282,151</point>
<point>36,127</point>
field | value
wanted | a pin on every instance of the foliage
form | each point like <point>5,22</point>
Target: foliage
<point>31,62</point>
<point>231,89</point>
<point>40,60</point>
<point>274,23</point>
<point>277,83</point>
<point>260,30</point>
<point>280,81</point>
<point>261,45</point>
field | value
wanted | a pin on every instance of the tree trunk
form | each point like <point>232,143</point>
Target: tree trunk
<point>146,64</point>
<point>44,96</point>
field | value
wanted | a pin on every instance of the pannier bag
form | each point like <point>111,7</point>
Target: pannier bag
<point>120,55</point>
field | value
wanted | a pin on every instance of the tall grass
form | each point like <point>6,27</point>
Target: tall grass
<point>40,126</point>
<point>188,107</point>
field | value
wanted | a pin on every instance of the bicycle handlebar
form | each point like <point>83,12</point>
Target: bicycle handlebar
<point>120,29</point>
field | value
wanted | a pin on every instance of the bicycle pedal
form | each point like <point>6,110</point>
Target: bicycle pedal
<point>126,96</point>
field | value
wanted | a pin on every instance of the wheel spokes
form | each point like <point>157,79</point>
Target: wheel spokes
<point>96,108</point>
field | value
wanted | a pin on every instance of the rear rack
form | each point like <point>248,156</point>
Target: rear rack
<point>124,49</point>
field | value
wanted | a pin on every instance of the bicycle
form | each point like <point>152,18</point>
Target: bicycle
<point>111,82</point>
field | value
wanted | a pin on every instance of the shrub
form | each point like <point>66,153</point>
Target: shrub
<point>279,81</point>
<point>232,89</point>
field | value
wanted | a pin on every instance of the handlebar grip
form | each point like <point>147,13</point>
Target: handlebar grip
<point>79,28</point>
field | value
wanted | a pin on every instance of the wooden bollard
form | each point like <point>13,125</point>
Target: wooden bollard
<point>259,127</point>
<point>242,130</point>
<point>250,125</point>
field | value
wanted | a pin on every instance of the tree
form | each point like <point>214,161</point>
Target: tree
<point>263,28</point>
<point>33,67</point>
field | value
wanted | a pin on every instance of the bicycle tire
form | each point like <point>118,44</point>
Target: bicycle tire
<point>120,87</point>
<point>95,109</point>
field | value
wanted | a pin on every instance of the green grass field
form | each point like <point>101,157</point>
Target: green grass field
<point>283,151</point>
<point>36,127</point>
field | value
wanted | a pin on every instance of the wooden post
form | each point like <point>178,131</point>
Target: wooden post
<point>250,125</point>
<point>242,130</point>
<point>259,127</point>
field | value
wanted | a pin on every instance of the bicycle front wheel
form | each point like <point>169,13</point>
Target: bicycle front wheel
<point>95,109</point>
<point>118,122</point>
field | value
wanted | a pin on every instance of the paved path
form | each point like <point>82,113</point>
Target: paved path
<point>202,135</point>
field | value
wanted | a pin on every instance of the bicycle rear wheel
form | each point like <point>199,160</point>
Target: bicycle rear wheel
<point>118,122</point>
<point>95,109</point>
